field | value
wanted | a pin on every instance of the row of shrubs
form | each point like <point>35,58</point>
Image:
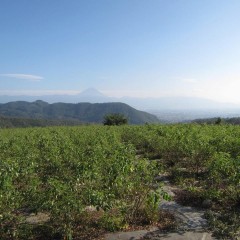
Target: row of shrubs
<point>81,177</point>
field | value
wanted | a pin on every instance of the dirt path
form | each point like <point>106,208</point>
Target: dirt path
<point>191,222</point>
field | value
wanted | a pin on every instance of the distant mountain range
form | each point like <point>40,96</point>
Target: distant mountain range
<point>83,112</point>
<point>92,95</point>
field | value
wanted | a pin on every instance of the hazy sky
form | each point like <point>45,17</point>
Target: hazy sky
<point>121,47</point>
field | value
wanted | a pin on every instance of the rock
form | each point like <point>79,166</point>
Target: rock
<point>90,209</point>
<point>207,203</point>
<point>37,218</point>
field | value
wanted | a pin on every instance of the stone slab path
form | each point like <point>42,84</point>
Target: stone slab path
<point>156,235</point>
<point>188,218</point>
<point>191,222</point>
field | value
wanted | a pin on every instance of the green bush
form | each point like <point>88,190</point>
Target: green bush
<point>115,119</point>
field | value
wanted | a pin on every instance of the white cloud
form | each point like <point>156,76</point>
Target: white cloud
<point>28,77</point>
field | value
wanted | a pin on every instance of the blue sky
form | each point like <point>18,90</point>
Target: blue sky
<point>141,48</point>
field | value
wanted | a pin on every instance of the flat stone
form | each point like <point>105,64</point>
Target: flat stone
<point>37,218</point>
<point>135,235</point>
<point>157,235</point>
<point>207,203</point>
<point>191,222</point>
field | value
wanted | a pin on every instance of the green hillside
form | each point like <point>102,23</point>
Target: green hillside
<point>12,122</point>
<point>84,112</point>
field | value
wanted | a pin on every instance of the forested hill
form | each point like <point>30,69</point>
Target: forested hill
<point>218,120</point>
<point>84,112</point>
<point>19,122</point>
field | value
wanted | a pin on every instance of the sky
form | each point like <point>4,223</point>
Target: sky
<point>137,48</point>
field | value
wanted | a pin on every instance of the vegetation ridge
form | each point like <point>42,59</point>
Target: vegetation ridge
<point>84,112</point>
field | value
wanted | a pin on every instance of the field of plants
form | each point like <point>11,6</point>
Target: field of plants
<point>102,177</point>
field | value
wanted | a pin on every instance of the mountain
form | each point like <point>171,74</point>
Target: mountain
<point>92,95</point>
<point>89,95</point>
<point>91,92</point>
<point>176,103</point>
<point>84,112</point>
